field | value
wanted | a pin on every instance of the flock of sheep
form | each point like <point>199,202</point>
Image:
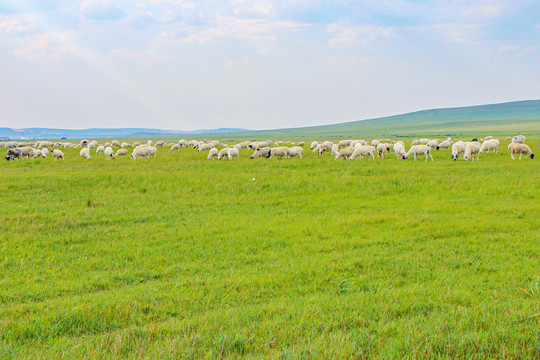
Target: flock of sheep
<point>344,149</point>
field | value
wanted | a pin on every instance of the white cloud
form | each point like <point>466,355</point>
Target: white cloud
<point>459,33</point>
<point>344,35</point>
<point>340,62</point>
<point>16,26</point>
<point>102,10</point>
<point>507,48</point>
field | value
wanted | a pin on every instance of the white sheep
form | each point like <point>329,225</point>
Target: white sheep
<point>457,149</point>
<point>508,138</point>
<point>296,151</point>
<point>160,144</point>
<point>314,144</point>
<point>301,143</point>
<point>232,153</point>
<point>344,153</point>
<point>44,152</point>
<point>519,139</point>
<point>375,143</point>
<point>279,152</point>
<point>223,152</point>
<point>212,153</point>
<point>361,151</point>
<point>126,145</point>
<point>100,149</point>
<point>206,147</point>
<point>489,145</point>
<point>399,149</point>
<point>85,153</point>
<point>115,143</point>
<point>445,145</point>
<point>261,152</point>
<point>121,152</point>
<point>109,152</point>
<point>382,148</point>
<point>335,149</point>
<point>418,150</point>
<point>433,143</point>
<point>57,154</point>
<point>176,147</point>
<point>488,138</point>
<point>143,152</point>
<point>521,149</point>
<point>324,147</point>
<point>37,153</point>
<point>472,149</point>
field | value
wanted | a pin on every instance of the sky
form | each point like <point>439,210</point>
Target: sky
<point>185,65</point>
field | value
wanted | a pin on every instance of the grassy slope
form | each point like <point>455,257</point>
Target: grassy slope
<point>497,119</point>
<point>183,257</point>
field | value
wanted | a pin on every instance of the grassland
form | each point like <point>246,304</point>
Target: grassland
<point>180,257</point>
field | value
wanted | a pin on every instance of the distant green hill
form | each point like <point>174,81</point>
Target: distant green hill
<point>497,119</point>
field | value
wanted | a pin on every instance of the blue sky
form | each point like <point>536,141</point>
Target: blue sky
<point>186,65</point>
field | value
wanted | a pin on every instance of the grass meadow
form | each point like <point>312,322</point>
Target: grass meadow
<point>181,257</point>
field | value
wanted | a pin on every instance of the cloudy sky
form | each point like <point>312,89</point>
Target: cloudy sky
<point>176,64</point>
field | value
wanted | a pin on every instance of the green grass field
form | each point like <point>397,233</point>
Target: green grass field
<point>181,257</point>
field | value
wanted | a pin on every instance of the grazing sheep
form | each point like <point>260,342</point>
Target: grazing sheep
<point>521,149</point>
<point>335,149</point>
<point>301,143</point>
<point>222,153</point>
<point>143,152</point>
<point>115,143</point>
<point>361,151</point>
<point>100,149</point>
<point>160,144</point>
<point>418,150</point>
<point>193,143</point>
<point>135,144</point>
<point>261,152</point>
<point>519,139</point>
<point>489,145</point>
<point>296,151</point>
<point>257,145</point>
<point>382,149</point>
<point>433,143</point>
<point>232,153</point>
<point>91,146</point>
<point>44,152</point>
<point>314,144</point>
<point>344,143</point>
<point>183,143</point>
<point>109,152</point>
<point>206,147</point>
<point>14,153</point>
<point>324,147</point>
<point>488,138</point>
<point>457,149</point>
<point>27,152</point>
<point>375,143</point>
<point>471,149</point>
<point>126,145</point>
<point>445,145</point>
<point>149,143</point>
<point>279,152</point>
<point>344,153</point>
<point>121,152</point>
<point>37,154</point>
<point>85,153</point>
<point>83,142</point>
<point>57,154</point>
<point>508,138</point>
<point>399,149</point>
<point>212,153</point>
<point>176,147</point>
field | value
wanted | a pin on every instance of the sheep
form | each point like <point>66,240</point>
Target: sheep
<point>358,143</point>
<point>121,152</point>
<point>212,153</point>
<point>335,149</point>
<point>344,143</point>
<point>206,147</point>
<point>381,149</point>
<point>257,145</point>
<point>27,152</point>
<point>518,148</point>
<point>314,144</point>
<point>91,146</point>
<point>143,152</point>
<point>361,151</point>
<point>344,153</point>
<point>37,154</point>
<point>126,145</point>
<point>296,151</point>
<point>115,143</point>
<point>100,149</point>
<point>375,143</point>
<point>399,149</point>
<point>471,149</point>
<point>508,138</point>
<point>183,143</point>
<point>109,152</point>
<point>135,144</point>
<point>444,145</point>
<point>261,152</point>
<point>324,147</point>
<point>489,145</point>
<point>160,144</point>
<point>149,143</point>
<point>279,152</point>
<point>44,152</point>
<point>519,139</point>
<point>222,152</point>
<point>14,153</point>
<point>301,143</point>
<point>458,148</point>
<point>57,154</point>
<point>418,150</point>
<point>433,143</point>
<point>232,153</point>
<point>175,147</point>
<point>192,143</point>
<point>488,138</point>
<point>85,153</point>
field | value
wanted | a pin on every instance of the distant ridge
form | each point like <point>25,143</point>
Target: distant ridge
<point>98,133</point>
